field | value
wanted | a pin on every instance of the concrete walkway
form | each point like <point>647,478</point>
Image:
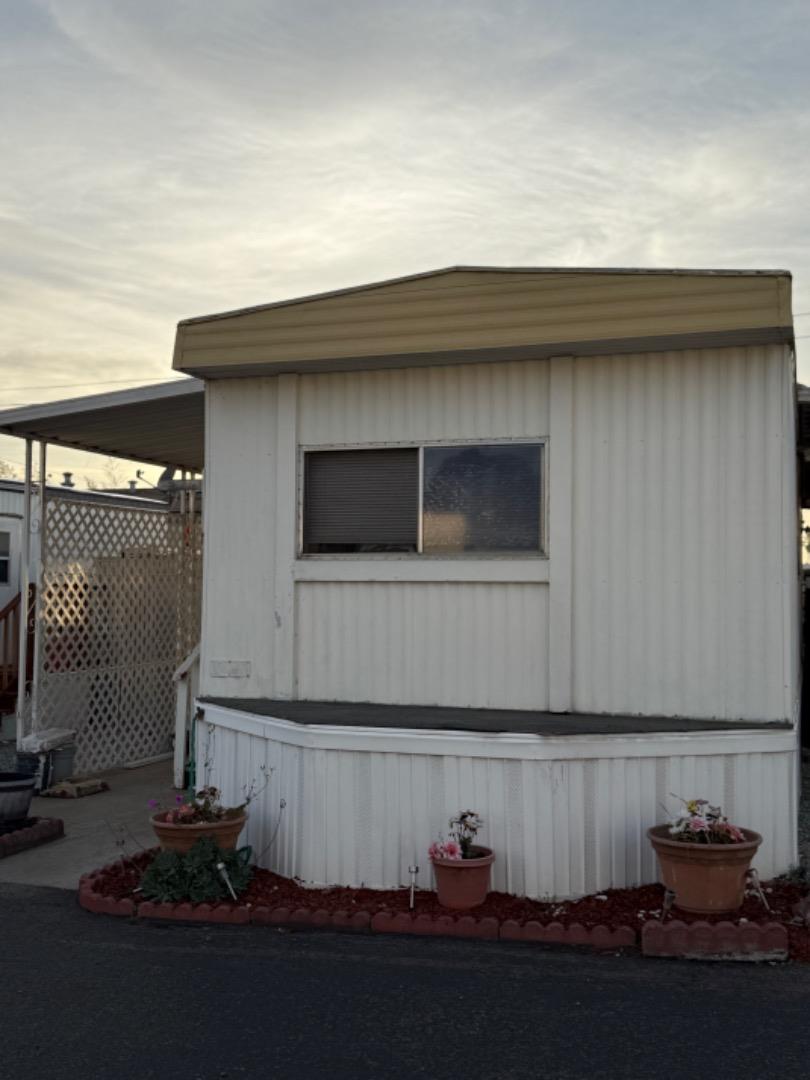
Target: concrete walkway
<point>98,828</point>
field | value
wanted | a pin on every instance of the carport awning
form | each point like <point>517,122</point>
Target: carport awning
<point>162,424</point>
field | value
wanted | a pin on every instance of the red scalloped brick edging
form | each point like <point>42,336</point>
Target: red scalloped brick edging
<point>715,941</point>
<point>381,922</point>
<point>43,830</point>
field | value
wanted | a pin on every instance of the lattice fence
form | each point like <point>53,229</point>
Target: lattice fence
<point>118,609</point>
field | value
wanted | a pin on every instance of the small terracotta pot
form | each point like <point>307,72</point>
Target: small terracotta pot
<point>463,883</point>
<point>705,878</point>
<point>182,838</point>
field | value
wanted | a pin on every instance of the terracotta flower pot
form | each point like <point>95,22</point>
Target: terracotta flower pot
<point>463,883</point>
<point>705,878</point>
<point>182,838</point>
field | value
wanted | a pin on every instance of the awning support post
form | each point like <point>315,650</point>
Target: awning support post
<point>25,581</point>
<point>39,564</point>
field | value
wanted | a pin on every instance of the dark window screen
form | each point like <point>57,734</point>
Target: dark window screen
<point>361,500</point>
<point>482,498</point>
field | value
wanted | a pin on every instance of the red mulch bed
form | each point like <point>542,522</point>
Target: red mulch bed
<point>613,908</point>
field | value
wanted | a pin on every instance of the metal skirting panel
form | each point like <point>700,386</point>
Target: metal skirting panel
<point>559,828</point>
<point>685,562</point>
<point>464,644</point>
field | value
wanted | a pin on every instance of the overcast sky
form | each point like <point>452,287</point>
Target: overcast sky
<point>167,158</point>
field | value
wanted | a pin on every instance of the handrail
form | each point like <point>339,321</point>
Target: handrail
<point>186,680</point>
<point>10,641</point>
<point>12,605</point>
<point>187,664</point>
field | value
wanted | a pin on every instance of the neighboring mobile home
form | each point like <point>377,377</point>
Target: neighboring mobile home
<point>522,540</point>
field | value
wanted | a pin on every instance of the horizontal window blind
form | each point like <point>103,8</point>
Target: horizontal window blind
<point>361,500</point>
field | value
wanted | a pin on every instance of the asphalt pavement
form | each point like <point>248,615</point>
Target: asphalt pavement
<point>97,998</point>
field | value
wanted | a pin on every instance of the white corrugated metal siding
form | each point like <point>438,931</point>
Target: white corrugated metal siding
<point>673,577</point>
<point>470,401</point>
<point>430,643</point>
<point>670,588</point>
<point>478,643</point>
<point>11,502</point>
<point>560,827</point>
<point>239,548</point>
<point>684,499</point>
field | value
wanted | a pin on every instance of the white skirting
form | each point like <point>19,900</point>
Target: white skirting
<point>565,815</point>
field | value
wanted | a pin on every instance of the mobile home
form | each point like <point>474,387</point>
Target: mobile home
<point>522,540</point>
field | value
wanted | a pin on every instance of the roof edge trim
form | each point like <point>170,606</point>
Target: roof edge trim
<point>371,285</point>
<point>718,339</point>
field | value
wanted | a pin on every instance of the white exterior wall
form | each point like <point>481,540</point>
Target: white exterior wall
<point>670,586</point>
<point>445,643</point>
<point>685,535</point>
<point>566,816</point>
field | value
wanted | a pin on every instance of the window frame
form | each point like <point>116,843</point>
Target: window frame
<point>420,554</point>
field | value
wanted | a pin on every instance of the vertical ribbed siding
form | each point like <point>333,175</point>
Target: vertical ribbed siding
<point>680,520</point>
<point>559,828</point>
<point>11,503</point>
<point>239,512</point>
<point>476,645</point>
<point>684,581</point>
<point>468,401</point>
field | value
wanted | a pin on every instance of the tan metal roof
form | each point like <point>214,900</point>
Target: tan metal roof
<point>161,424</point>
<point>462,314</point>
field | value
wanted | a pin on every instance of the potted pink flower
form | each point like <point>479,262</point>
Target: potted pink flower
<point>462,867</point>
<point>704,859</point>
<point>195,816</point>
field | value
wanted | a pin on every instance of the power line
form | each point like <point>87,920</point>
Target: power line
<point>100,382</point>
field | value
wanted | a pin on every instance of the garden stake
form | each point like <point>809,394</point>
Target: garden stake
<point>413,871</point>
<point>666,907</point>
<point>755,885</point>
<point>223,873</point>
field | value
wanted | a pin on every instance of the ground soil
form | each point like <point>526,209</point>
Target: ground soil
<point>612,908</point>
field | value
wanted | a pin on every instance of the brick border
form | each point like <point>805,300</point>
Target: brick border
<point>715,941</point>
<point>43,830</point>
<point>674,939</point>
<point>380,922</point>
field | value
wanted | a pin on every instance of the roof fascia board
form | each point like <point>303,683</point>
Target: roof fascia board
<point>9,418</point>
<point>769,335</point>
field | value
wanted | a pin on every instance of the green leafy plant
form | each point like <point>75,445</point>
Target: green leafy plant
<point>197,875</point>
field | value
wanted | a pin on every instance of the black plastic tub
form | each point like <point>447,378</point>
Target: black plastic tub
<point>16,791</point>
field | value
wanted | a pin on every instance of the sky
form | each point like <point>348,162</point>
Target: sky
<point>169,158</point>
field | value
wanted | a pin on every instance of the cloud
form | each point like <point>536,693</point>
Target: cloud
<point>165,160</point>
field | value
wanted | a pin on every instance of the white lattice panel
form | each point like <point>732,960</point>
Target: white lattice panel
<point>118,608</point>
